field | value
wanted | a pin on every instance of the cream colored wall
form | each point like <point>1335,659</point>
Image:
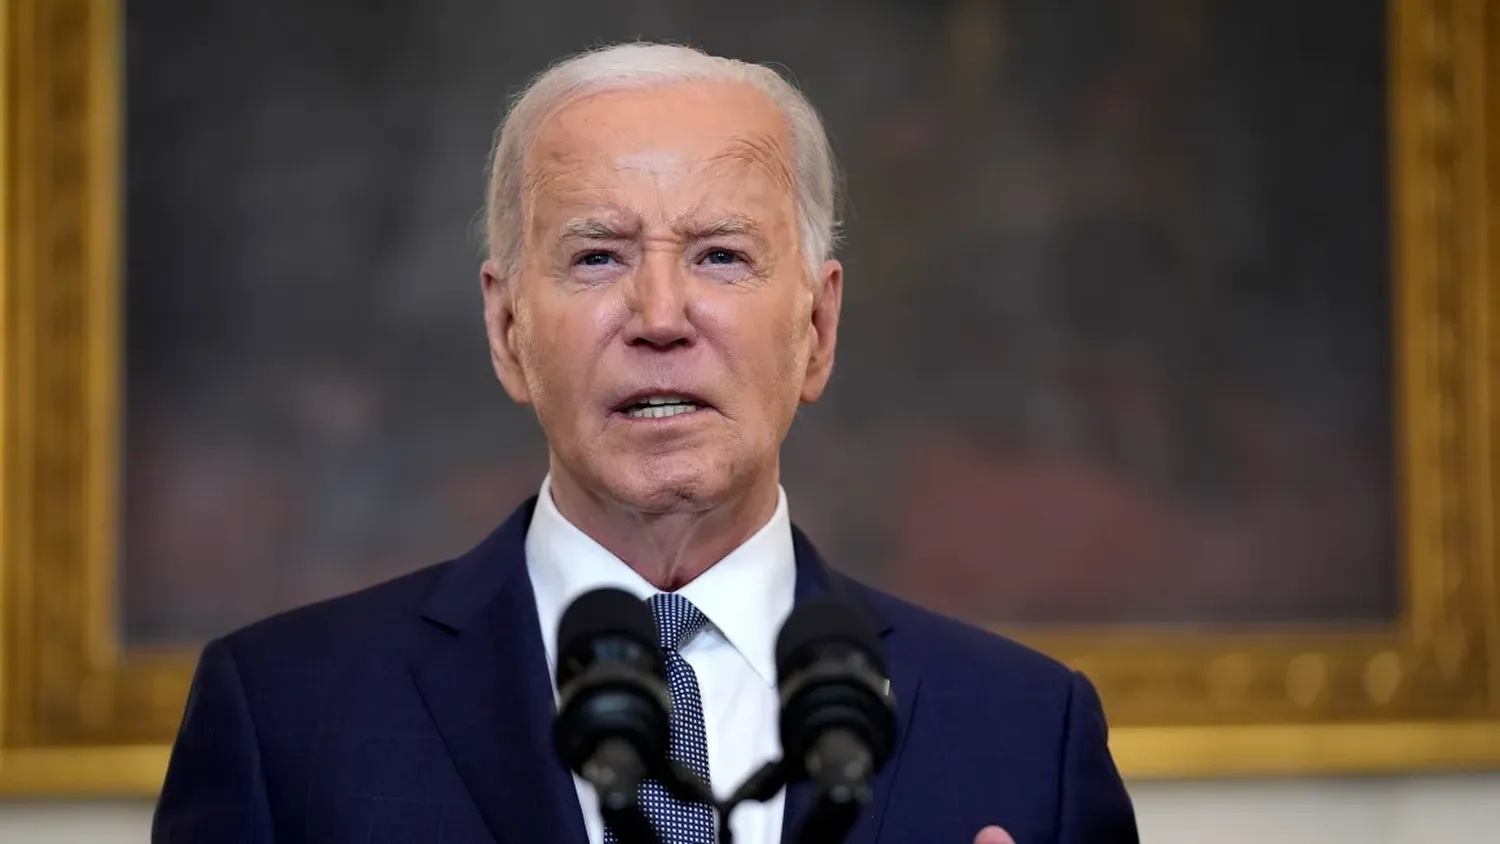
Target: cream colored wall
<point>74,823</point>
<point>1449,810</point>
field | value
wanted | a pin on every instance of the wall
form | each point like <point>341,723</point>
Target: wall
<point>1452,810</point>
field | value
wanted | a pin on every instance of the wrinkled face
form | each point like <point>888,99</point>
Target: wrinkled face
<point>663,324</point>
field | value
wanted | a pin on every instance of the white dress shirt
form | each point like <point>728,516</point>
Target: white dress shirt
<point>745,596</point>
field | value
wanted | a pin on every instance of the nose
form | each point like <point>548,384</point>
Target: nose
<point>658,297</point>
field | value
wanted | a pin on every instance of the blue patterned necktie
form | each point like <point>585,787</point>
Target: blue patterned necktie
<point>677,621</point>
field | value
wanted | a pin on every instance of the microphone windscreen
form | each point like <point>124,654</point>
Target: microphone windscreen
<point>818,623</point>
<point>605,612</point>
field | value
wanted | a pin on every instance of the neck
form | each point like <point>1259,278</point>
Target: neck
<point>668,549</point>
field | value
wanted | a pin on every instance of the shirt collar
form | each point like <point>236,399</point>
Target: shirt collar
<point>746,596</point>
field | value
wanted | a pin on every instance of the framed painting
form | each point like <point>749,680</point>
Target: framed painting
<point>1171,347</point>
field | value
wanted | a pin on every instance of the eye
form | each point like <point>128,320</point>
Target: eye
<point>721,257</point>
<point>595,259</point>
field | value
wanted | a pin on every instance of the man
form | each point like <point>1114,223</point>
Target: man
<point>660,289</point>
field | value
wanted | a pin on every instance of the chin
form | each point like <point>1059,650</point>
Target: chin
<point>663,485</point>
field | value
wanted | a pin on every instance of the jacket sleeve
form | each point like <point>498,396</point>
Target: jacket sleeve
<point>214,789</point>
<point>1093,806</point>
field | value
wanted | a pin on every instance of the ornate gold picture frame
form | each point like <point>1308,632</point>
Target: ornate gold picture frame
<point>80,714</point>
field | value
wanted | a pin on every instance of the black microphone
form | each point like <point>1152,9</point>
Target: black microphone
<point>612,714</point>
<point>838,720</point>
<point>611,726</point>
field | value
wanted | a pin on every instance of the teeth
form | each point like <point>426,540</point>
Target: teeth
<point>654,400</point>
<point>661,411</point>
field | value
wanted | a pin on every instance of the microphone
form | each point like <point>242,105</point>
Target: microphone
<point>612,716</point>
<point>611,724</point>
<point>838,720</point>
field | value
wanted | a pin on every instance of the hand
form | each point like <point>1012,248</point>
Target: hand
<point>993,835</point>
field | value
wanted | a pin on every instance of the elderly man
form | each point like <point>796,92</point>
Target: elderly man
<point>661,290</point>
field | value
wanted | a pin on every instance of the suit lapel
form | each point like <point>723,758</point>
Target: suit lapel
<point>486,684</point>
<point>815,579</point>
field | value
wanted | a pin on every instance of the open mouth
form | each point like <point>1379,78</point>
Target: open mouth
<point>661,407</point>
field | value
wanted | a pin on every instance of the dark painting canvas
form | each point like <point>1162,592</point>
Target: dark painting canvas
<point>1116,342</point>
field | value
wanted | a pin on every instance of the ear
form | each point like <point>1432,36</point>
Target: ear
<point>827,300</point>
<point>501,325</point>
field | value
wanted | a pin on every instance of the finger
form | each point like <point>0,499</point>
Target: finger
<point>993,835</point>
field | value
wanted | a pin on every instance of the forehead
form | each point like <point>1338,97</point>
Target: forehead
<point>684,139</point>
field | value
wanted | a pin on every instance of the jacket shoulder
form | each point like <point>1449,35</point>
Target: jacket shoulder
<point>952,646</point>
<point>341,628</point>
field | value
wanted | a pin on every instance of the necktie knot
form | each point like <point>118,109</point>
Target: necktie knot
<point>677,620</point>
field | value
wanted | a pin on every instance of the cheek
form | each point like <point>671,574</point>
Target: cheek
<point>536,347</point>
<point>571,342</point>
<point>780,360</point>
<point>795,339</point>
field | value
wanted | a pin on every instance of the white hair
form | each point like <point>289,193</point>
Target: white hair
<point>641,65</point>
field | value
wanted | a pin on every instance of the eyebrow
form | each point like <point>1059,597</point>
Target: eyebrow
<point>596,229</point>
<point>694,229</point>
<point>735,224</point>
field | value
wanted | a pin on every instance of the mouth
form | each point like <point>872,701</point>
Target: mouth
<point>661,405</point>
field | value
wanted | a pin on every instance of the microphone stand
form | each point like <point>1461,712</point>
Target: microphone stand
<point>835,809</point>
<point>831,819</point>
<point>628,824</point>
<point>841,776</point>
<point>618,786</point>
<point>759,786</point>
<point>840,794</point>
<point>616,771</point>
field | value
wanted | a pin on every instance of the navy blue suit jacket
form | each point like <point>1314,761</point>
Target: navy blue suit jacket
<point>420,711</point>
